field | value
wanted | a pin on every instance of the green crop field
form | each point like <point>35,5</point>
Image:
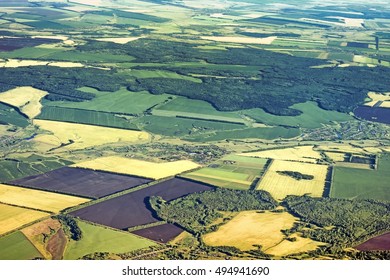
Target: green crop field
<point>30,53</point>
<point>312,116</point>
<point>100,239</point>
<point>161,74</point>
<point>85,117</point>
<point>11,169</point>
<point>181,106</point>
<point>233,171</point>
<point>354,183</point>
<point>9,115</point>
<point>122,101</point>
<point>16,246</point>
<point>267,133</point>
<point>76,56</point>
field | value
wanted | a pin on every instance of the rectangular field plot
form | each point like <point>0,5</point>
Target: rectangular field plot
<point>12,217</point>
<point>162,233</point>
<point>294,178</point>
<point>81,182</point>
<point>139,167</point>
<point>233,171</point>
<point>100,239</point>
<point>17,247</point>
<point>132,209</point>
<point>357,183</point>
<point>46,201</point>
<point>304,153</point>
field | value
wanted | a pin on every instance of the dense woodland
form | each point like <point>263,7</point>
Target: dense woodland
<point>61,83</point>
<point>289,79</point>
<point>197,211</point>
<point>341,222</point>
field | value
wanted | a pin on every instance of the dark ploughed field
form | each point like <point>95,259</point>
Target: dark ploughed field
<point>131,209</point>
<point>375,114</point>
<point>11,44</point>
<point>161,233</point>
<point>381,242</point>
<point>81,182</point>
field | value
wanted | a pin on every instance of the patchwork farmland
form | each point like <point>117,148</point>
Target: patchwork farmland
<point>81,182</point>
<point>132,209</point>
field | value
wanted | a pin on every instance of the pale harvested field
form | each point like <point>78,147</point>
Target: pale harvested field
<point>83,136</point>
<point>35,232</point>
<point>341,148</point>
<point>57,37</point>
<point>335,156</point>
<point>243,40</point>
<point>123,40</point>
<point>304,153</point>
<point>138,167</point>
<point>385,104</point>
<point>12,217</point>
<point>15,63</point>
<point>378,97</point>
<point>301,245</point>
<point>41,200</point>
<point>353,22</point>
<point>279,186</point>
<point>27,99</point>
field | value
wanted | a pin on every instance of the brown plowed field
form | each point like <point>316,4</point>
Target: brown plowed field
<point>131,209</point>
<point>81,182</point>
<point>381,242</point>
<point>161,233</point>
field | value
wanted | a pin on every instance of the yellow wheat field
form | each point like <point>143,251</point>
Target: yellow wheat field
<point>378,97</point>
<point>41,200</point>
<point>279,186</point>
<point>139,167</point>
<point>12,217</point>
<point>301,245</point>
<point>304,153</point>
<point>335,156</point>
<point>27,99</point>
<point>15,63</point>
<point>80,136</point>
<point>250,228</point>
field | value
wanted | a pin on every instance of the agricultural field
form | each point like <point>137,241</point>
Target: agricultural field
<point>81,116</point>
<point>161,233</point>
<point>42,235</point>
<point>183,129</point>
<point>131,209</point>
<point>233,171</point>
<point>311,116</point>
<point>301,154</point>
<point>71,136</point>
<point>80,182</point>
<point>12,217</point>
<point>101,239</point>
<point>121,101</point>
<point>381,242</point>
<point>10,116</point>
<point>250,229</point>
<point>40,200</point>
<point>357,183</point>
<point>139,168</point>
<point>281,185</point>
<point>26,99</point>
<point>15,168</point>
<point>16,246</point>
